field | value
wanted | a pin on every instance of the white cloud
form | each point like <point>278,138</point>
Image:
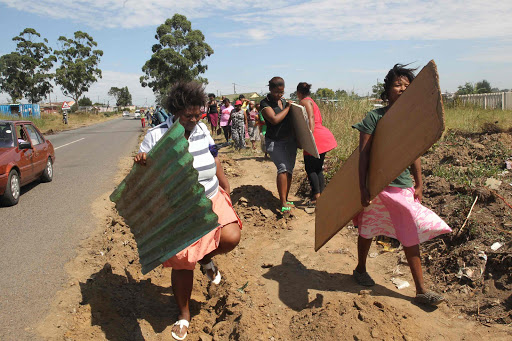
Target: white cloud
<point>320,19</point>
<point>499,54</point>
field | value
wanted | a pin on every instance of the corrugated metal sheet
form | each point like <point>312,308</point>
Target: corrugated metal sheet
<point>163,203</point>
<point>30,110</point>
<point>5,109</point>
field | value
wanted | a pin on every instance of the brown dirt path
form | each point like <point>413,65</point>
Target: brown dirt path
<point>275,287</point>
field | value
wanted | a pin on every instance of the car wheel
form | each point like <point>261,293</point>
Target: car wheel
<point>47,175</point>
<point>12,191</point>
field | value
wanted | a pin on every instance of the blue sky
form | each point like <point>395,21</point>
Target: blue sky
<point>338,44</point>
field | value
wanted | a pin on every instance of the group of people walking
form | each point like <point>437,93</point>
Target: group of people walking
<point>238,122</point>
<point>396,212</point>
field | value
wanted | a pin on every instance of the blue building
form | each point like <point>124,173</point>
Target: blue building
<point>20,110</point>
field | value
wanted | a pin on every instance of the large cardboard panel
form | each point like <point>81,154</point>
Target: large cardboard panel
<point>305,139</point>
<point>410,127</point>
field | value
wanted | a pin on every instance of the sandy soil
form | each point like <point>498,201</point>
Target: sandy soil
<point>275,287</point>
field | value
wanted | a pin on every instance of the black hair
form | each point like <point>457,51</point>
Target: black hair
<point>275,82</point>
<point>183,95</point>
<point>226,100</point>
<point>304,88</point>
<point>398,71</point>
<point>241,96</point>
<point>211,95</point>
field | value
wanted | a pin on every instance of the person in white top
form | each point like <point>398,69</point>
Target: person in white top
<point>184,101</point>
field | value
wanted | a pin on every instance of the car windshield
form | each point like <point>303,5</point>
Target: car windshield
<point>6,136</point>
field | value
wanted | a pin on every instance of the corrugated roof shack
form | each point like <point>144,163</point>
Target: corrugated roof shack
<point>21,110</point>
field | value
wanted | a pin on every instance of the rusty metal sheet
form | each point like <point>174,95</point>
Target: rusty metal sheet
<point>409,128</point>
<point>163,203</point>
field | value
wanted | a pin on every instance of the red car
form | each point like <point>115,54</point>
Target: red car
<point>25,156</point>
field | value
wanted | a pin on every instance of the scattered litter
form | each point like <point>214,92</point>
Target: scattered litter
<point>496,246</point>
<point>508,163</point>
<point>400,283</point>
<point>386,246</point>
<point>466,273</point>
<point>373,255</point>
<point>309,210</point>
<point>241,290</point>
<point>505,172</point>
<point>493,183</point>
<point>397,271</point>
<point>338,251</point>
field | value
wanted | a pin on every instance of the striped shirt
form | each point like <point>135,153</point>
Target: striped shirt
<point>199,143</point>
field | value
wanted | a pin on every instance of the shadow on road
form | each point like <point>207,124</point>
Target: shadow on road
<point>117,302</point>
<point>295,280</point>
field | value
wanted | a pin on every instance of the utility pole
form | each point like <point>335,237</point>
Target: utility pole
<point>234,89</point>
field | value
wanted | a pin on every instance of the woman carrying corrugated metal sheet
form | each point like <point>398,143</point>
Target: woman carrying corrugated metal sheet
<point>184,101</point>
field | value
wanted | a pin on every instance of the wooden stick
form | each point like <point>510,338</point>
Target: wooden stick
<point>465,221</point>
<point>499,196</point>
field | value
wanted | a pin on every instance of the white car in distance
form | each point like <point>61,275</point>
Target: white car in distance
<point>137,114</point>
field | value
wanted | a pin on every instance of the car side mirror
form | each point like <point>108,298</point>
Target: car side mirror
<point>24,145</point>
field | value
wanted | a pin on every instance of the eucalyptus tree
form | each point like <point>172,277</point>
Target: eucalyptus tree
<point>122,96</point>
<point>178,55</point>
<point>11,78</point>
<point>78,64</point>
<point>26,71</point>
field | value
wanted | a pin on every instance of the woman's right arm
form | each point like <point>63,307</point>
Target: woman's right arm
<point>274,118</point>
<point>365,144</point>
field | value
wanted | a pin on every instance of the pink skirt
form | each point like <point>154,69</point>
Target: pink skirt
<point>187,258</point>
<point>395,213</point>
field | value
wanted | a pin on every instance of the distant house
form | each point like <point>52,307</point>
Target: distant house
<point>248,95</point>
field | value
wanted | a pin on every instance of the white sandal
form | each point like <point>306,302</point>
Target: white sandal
<point>181,323</point>
<point>211,266</point>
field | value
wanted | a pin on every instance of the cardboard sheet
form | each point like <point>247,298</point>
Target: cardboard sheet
<point>304,136</point>
<point>410,127</point>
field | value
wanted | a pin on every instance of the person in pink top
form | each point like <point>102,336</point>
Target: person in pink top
<point>323,138</point>
<point>225,114</point>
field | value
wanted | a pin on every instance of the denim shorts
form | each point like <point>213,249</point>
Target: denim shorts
<point>282,153</point>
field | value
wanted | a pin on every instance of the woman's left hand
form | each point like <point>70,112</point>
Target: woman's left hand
<point>418,192</point>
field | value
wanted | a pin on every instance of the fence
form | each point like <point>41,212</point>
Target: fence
<point>495,100</point>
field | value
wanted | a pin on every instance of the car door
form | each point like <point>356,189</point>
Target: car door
<point>25,163</point>
<point>39,148</point>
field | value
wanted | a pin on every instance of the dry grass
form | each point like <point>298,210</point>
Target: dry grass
<point>51,123</point>
<point>340,117</point>
<point>477,120</point>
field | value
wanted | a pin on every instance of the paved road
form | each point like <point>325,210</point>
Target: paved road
<point>40,234</point>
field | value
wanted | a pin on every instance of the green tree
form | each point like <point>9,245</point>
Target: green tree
<point>377,89</point>
<point>340,93</point>
<point>483,87</point>
<point>178,55</point>
<point>324,93</point>
<point>466,89</point>
<point>11,78</point>
<point>122,96</point>
<point>84,102</point>
<point>36,63</point>
<point>79,64</point>
<point>293,96</point>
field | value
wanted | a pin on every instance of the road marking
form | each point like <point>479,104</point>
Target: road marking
<point>67,144</point>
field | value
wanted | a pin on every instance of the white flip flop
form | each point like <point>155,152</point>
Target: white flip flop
<point>181,323</point>
<point>211,266</point>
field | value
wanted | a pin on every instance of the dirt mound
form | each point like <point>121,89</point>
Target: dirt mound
<point>275,287</point>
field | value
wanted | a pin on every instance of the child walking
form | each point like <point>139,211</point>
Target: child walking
<point>238,120</point>
<point>396,212</point>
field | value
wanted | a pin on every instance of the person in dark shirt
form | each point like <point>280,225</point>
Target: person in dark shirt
<point>280,138</point>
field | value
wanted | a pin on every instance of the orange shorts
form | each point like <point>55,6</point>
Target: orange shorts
<point>187,258</point>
